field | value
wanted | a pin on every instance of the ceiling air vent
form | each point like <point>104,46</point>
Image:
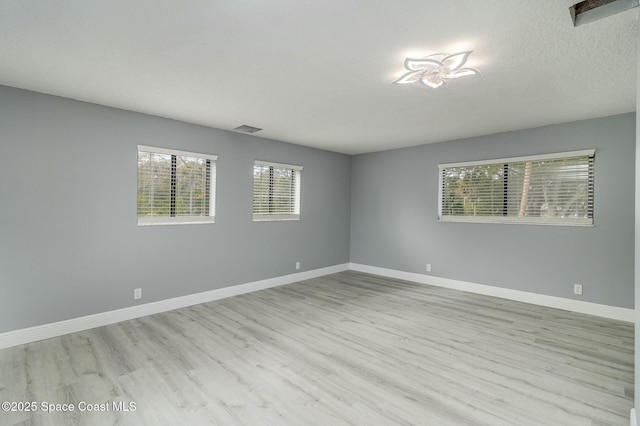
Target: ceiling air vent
<point>592,10</point>
<point>247,129</point>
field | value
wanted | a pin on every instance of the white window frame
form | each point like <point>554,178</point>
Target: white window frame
<point>280,216</point>
<point>184,220</point>
<point>513,219</point>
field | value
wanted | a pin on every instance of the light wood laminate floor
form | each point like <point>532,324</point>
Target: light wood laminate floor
<point>345,349</point>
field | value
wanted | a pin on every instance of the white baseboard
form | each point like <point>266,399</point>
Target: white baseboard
<point>633,419</point>
<point>612,312</point>
<point>46,331</point>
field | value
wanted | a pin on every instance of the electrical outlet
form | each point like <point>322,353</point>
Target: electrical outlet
<point>577,289</point>
<point>137,294</point>
<point>297,265</point>
<point>428,267</point>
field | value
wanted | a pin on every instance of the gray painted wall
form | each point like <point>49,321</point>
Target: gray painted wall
<point>637,245</point>
<point>394,206</point>
<point>69,244</point>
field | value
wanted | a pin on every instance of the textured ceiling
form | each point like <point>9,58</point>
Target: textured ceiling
<point>318,73</point>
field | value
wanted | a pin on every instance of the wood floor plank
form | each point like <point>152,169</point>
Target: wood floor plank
<point>345,349</point>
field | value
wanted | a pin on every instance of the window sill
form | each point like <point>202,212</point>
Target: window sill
<point>175,221</point>
<point>275,218</point>
<point>518,221</point>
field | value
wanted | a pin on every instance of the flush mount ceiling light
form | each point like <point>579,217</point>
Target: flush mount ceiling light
<point>434,70</point>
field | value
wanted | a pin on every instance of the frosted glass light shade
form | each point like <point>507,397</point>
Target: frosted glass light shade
<point>434,70</point>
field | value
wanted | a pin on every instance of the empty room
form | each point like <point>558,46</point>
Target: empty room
<point>319,213</point>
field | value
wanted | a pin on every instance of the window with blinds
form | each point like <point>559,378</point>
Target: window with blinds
<point>553,189</point>
<point>276,191</point>
<point>175,187</point>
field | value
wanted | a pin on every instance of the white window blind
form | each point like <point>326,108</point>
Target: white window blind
<point>276,191</point>
<point>175,187</point>
<point>552,189</point>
